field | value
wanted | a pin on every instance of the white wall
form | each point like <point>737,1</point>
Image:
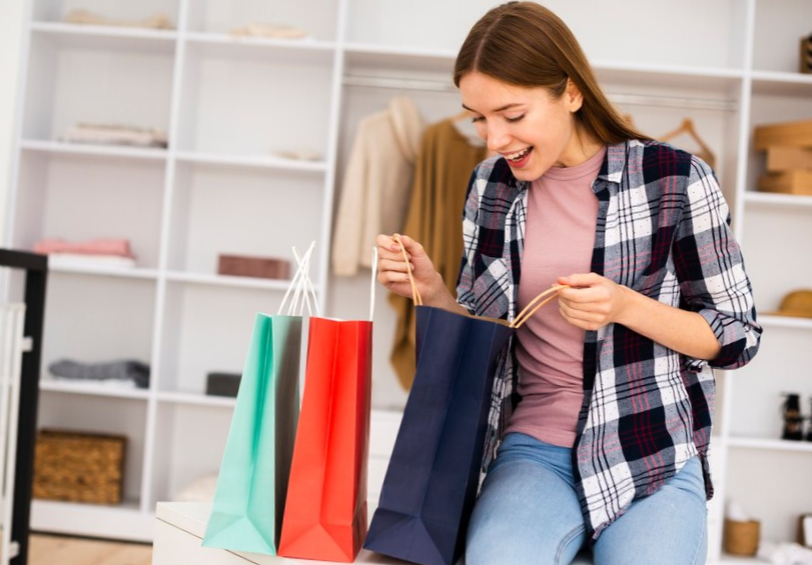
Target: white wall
<point>11,34</point>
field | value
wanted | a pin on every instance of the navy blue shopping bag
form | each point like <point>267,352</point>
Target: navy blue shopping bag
<point>431,483</point>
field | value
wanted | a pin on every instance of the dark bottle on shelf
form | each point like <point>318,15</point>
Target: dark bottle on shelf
<point>793,421</point>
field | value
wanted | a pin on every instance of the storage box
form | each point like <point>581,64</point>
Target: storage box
<point>788,182</point>
<point>793,134</point>
<point>260,267</point>
<point>223,384</point>
<point>780,158</point>
<point>805,61</point>
<point>79,467</point>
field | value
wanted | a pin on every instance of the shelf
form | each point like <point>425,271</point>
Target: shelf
<point>772,321</point>
<point>229,281</point>
<point>291,50</point>
<point>260,161</point>
<point>672,76</point>
<point>754,198</point>
<point>727,559</point>
<point>770,444</point>
<point>118,151</point>
<point>123,390</point>
<point>194,399</point>
<point>92,37</point>
<point>721,82</point>
<point>135,273</point>
<point>782,83</point>
<point>402,59</point>
<point>124,522</point>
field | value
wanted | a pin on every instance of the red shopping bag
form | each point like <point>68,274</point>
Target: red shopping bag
<point>326,509</point>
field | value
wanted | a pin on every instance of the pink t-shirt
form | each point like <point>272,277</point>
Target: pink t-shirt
<point>559,237</point>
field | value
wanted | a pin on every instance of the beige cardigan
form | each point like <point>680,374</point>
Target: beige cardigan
<point>377,183</point>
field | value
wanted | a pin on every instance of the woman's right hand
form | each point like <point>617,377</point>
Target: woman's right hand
<point>392,268</point>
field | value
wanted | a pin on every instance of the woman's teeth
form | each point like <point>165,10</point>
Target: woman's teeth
<point>518,156</point>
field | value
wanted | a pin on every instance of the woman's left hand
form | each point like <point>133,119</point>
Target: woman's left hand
<point>591,301</point>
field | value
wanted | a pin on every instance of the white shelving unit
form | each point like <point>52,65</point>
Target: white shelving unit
<point>230,105</point>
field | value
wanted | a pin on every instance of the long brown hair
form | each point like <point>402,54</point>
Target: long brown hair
<point>525,44</point>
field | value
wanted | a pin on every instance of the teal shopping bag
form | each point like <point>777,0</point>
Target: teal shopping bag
<point>252,484</point>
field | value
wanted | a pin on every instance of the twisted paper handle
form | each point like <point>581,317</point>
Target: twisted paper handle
<point>532,307</point>
<point>418,301</point>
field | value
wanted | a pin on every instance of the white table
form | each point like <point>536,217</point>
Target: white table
<point>179,529</point>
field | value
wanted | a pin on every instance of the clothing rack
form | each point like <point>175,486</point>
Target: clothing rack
<point>427,85</point>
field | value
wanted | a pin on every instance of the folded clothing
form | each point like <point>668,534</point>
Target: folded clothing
<point>122,370</point>
<point>118,247</point>
<point>156,21</point>
<point>116,134</point>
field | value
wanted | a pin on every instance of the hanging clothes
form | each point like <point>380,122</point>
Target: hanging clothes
<point>376,184</point>
<point>445,163</point>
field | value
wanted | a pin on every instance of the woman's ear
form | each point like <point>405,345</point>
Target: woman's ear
<point>574,97</point>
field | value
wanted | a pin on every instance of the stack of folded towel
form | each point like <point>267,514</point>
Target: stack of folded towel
<point>96,253</point>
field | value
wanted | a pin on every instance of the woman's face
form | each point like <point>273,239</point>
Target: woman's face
<point>526,125</point>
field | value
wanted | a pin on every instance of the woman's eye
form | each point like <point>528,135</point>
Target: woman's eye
<point>514,119</point>
<point>476,119</point>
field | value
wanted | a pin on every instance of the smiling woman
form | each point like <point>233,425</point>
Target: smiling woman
<point>601,413</point>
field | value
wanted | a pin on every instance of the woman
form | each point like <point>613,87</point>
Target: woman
<point>602,408</point>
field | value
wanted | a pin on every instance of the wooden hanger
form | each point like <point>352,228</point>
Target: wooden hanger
<point>687,126</point>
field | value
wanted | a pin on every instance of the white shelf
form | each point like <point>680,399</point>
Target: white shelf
<point>301,51</point>
<point>134,273</point>
<point>765,199</point>
<point>262,162</point>
<point>269,42</point>
<point>123,391</point>
<point>737,560</point>
<point>770,444</point>
<point>119,151</point>
<point>229,281</point>
<point>93,37</point>
<point>125,522</point>
<point>195,399</point>
<point>790,322</point>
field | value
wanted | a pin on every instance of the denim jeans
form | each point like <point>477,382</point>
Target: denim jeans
<point>528,514</point>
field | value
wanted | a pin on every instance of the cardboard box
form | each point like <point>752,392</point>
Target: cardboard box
<point>79,467</point>
<point>259,267</point>
<point>792,134</point>
<point>780,158</point>
<point>805,61</point>
<point>788,182</point>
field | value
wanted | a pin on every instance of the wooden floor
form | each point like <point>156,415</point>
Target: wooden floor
<point>60,550</point>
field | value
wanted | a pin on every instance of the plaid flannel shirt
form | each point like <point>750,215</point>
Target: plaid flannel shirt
<point>662,230</point>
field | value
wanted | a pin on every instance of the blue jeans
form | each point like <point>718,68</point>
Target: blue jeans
<point>528,514</point>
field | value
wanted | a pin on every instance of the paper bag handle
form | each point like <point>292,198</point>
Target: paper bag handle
<point>306,286</point>
<point>418,301</point>
<point>300,284</point>
<point>532,307</point>
<point>520,319</point>
<point>373,285</point>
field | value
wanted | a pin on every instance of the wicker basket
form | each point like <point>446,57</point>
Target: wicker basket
<point>741,538</point>
<point>79,467</point>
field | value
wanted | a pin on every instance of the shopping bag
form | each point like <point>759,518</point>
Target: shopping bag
<point>326,509</point>
<point>251,487</point>
<point>432,479</point>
